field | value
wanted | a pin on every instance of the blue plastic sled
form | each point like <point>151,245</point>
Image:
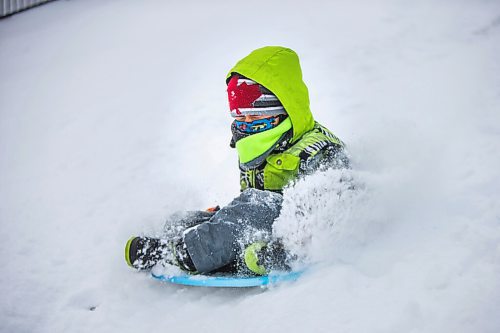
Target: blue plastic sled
<point>230,281</point>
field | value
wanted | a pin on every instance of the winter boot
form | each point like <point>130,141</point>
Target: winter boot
<point>143,253</point>
<point>261,258</point>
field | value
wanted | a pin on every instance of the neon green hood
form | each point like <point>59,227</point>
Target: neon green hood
<point>278,69</point>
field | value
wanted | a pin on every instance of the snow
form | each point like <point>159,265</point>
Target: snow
<point>113,115</point>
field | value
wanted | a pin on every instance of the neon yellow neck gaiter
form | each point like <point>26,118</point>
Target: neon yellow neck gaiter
<point>255,145</point>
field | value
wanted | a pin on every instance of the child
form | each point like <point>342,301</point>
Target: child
<point>277,141</point>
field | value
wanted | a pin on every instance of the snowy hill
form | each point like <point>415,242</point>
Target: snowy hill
<point>113,115</point>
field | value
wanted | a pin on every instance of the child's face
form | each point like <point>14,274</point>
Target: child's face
<point>250,118</point>
<point>255,124</point>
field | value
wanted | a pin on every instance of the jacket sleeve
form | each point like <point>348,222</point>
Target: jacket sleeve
<point>176,223</point>
<point>331,156</point>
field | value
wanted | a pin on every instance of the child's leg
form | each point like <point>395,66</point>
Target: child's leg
<point>219,242</point>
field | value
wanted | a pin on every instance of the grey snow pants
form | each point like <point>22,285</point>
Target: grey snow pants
<point>219,239</point>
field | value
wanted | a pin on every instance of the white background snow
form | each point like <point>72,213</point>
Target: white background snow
<point>113,115</point>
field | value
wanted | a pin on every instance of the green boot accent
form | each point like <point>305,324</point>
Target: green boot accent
<point>251,257</point>
<point>127,251</point>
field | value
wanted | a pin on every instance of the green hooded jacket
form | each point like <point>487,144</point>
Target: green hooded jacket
<point>278,69</point>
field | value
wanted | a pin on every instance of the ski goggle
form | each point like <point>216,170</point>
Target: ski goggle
<point>259,125</point>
